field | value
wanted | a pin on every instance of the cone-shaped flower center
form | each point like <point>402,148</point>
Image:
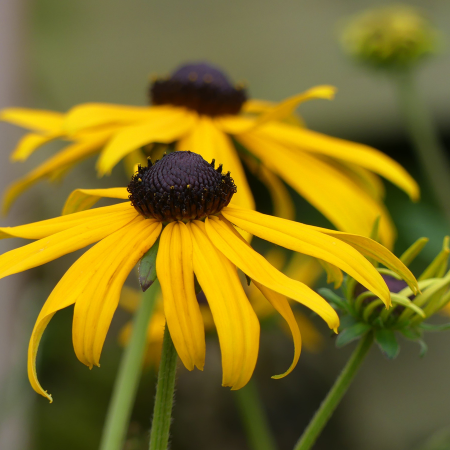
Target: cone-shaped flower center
<point>180,186</point>
<point>201,87</point>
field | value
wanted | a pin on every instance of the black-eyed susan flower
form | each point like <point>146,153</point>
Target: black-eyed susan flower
<point>198,108</point>
<point>184,201</point>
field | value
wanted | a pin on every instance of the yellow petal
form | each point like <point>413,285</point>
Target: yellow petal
<point>69,290</point>
<point>239,252</point>
<point>303,268</point>
<point>175,271</point>
<point>305,239</point>
<point>67,157</point>
<point>166,126</point>
<point>29,143</point>
<point>62,243</point>
<point>236,322</point>
<point>44,228</point>
<point>90,115</point>
<point>335,195</point>
<point>211,143</point>
<point>109,263</point>
<point>369,181</point>
<point>132,160</point>
<point>352,152</point>
<point>281,199</point>
<point>287,107</point>
<point>280,303</point>
<point>82,199</point>
<point>33,119</point>
<point>374,250</point>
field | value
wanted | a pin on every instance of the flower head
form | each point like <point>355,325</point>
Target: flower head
<point>210,248</point>
<point>362,312</point>
<point>201,87</point>
<point>198,108</point>
<point>393,36</point>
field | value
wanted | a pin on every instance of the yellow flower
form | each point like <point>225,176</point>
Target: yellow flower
<point>183,200</point>
<point>197,108</point>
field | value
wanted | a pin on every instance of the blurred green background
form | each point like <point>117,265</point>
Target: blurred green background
<point>57,53</point>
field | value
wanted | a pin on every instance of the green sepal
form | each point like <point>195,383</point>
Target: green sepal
<point>334,299</point>
<point>412,334</point>
<point>411,253</point>
<point>346,321</point>
<point>147,267</point>
<point>432,327</point>
<point>352,333</point>
<point>387,342</point>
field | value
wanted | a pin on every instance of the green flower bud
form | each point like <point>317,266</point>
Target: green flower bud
<point>396,36</point>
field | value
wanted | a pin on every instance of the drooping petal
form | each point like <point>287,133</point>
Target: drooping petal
<point>283,205</point>
<point>29,143</point>
<point>305,239</point>
<point>44,228</point>
<point>62,243</point>
<point>236,322</point>
<point>369,181</point>
<point>90,115</point>
<point>280,303</point>
<point>211,143</point>
<point>33,119</point>
<point>239,252</point>
<point>167,125</point>
<point>175,271</point>
<point>336,196</point>
<point>82,199</point>
<point>67,157</point>
<point>352,152</point>
<point>69,290</point>
<point>109,264</point>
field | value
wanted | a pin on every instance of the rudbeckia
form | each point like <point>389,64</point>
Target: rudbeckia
<point>198,108</point>
<point>184,201</point>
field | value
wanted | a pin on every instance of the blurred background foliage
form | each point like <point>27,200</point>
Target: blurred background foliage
<point>79,51</point>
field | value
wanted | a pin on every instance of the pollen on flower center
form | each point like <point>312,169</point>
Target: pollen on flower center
<point>180,186</point>
<point>201,87</point>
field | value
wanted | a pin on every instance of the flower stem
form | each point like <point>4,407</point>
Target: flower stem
<point>423,134</point>
<point>253,417</point>
<point>127,381</point>
<point>335,395</point>
<point>162,412</point>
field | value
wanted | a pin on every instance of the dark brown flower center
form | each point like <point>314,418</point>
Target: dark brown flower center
<point>180,186</point>
<point>201,87</point>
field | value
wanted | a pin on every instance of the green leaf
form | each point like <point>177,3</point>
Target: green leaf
<point>352,333</point>
<point>147,267</point>
<point>432,327</point>
<point>387,342</point>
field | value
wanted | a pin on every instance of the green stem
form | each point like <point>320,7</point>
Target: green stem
<point>253,417</point>
<point>335,395</point>
<point>127,381</point>
<point>423,134</point>
<point>162,412</point>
